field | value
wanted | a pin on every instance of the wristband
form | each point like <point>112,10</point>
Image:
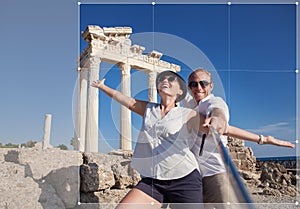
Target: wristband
<point>261,140</point>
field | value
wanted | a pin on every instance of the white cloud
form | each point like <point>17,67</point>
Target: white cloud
<point>271,127</point>
<point>282,130</point>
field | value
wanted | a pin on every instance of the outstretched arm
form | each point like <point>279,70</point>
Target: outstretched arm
<point>246,135</point>
<point>137,106</point>
<point>218,121</point>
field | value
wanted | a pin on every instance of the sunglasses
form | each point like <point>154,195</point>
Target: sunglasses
<point>169,78</point>
<point>203,84</point>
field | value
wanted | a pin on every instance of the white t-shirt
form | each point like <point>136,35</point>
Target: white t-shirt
<point>210,162</point>
<point>163,148</point>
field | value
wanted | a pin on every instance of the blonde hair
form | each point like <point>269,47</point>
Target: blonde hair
<point>202,71</point>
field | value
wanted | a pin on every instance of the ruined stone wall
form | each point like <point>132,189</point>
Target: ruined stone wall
<point>37,178</point>
<point>106,178</point>
<point>241,156</point>
<point>54,178</point>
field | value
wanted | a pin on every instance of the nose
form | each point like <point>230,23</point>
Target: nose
<point>166,80</point>
<point>199,87</point>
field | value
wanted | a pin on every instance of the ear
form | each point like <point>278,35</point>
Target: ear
<point>180,92</point>
<point>212,86</point>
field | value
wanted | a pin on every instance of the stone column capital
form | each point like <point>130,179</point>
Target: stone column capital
<point>124,68</point>
<point>152,94</point>
<point>94,61</point>
<point>152,75</point>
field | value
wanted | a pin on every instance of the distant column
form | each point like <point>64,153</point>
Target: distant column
<point>76,137</point>
<point>47,130</point>
<point>125,113</point>
<point>152,92</point>
<point>91,132</point>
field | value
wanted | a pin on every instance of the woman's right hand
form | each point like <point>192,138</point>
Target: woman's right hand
<point>98,83</point>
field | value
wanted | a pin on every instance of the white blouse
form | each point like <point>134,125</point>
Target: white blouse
<point>163,147</point>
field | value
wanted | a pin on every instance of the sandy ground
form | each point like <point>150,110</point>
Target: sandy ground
<point>268,202</point>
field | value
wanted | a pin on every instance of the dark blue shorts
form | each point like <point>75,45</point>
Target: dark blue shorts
<point>187,189</point>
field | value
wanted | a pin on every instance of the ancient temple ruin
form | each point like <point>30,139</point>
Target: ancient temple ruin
<point>111,45</point>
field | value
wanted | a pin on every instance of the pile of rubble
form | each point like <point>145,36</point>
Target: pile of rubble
<point>266,179</point>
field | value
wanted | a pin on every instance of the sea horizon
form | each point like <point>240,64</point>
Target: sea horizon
<point>279,157</point>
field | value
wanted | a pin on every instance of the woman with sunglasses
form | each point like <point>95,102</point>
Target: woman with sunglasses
<point>162,155</point>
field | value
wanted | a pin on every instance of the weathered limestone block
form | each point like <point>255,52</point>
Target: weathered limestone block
<point>117,177</point>
<point>11,156</point>
<point>42,162</point>
<point>247,165</point>
<point>247,175</point>
<point>281,168</point>
<point>244,165</point>
<point>236,142</point>
<point>60,168</point>
<point>103,159</point>
<point>271,192</point>
<point>237,149</point>
<point>65,182</point>
<point>241,156</point>
<point>123,180</point>
<point>49,198</point>
<point>118,161</point>
<point>250,153</point>
<point>266,175</point>
<point>126,154</point>
<point>237,163</point>
<point>95,177</point>
<point>233,155</point>
<point>18,191</point>
<point>124,175</point>
<point>111,195</point>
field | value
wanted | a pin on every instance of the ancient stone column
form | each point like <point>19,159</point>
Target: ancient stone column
<point>76,137</point>
<point>47,130</point>
<point>79,143</point>
<point>91,132</point>
<point>152,92</point>
<point>125,113</point>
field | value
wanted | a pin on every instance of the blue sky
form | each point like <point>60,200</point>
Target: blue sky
<point>251,49</point>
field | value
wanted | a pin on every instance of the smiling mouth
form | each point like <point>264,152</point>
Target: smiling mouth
<point>199,93</point>
<point>164,86</point>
